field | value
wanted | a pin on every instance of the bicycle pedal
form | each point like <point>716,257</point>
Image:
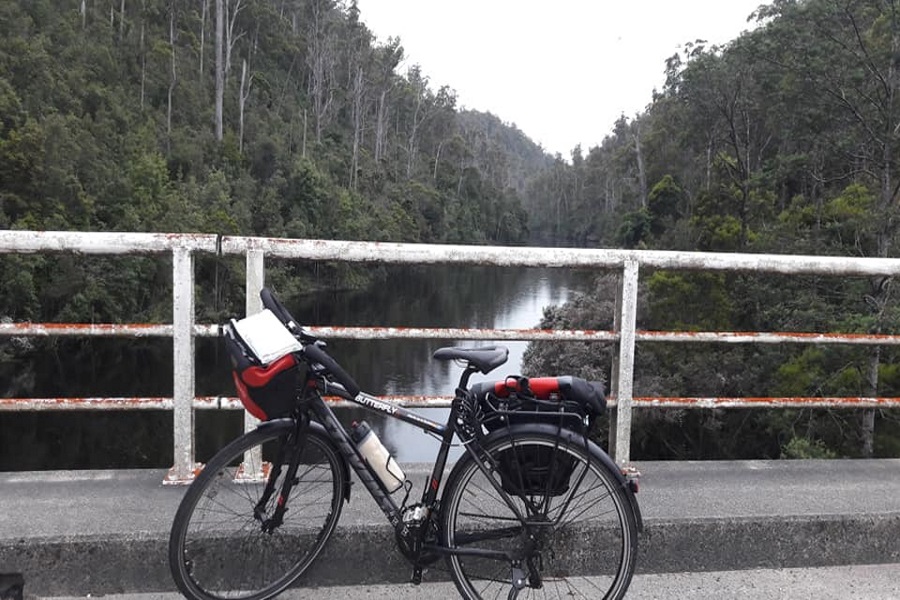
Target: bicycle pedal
<point>416,576</point>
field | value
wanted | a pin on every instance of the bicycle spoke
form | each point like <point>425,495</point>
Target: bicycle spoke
<point>579,534</point>
<point>464,539</point>
<point>225,551</point>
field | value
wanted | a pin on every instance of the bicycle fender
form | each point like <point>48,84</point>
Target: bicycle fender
<point>577,438</point>
<point>316,429</point>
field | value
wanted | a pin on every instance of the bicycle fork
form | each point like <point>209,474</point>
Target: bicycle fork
<point>293,445</point>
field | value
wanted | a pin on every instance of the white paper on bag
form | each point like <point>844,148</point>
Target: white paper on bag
<point>267,336</point>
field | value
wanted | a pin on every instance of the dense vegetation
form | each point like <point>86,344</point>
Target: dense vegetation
<point>252,117</point>
<point>785,140</point>
<point>287,118</point>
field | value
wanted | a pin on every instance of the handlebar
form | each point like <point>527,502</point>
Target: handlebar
<point>316,354</point>
<point>278,309</point>
<point>312,351</point>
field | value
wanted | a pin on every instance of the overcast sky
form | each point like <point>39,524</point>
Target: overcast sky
<point>562,71</point>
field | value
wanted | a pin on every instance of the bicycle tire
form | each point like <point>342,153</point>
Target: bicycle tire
<point>217,546</point>
<point>582,528</point>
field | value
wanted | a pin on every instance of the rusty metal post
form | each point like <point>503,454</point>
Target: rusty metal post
<point>183,470</point>
<point>614,370</point>
<point>252,468</point>
<point>256,279</point>
<point>622,385</point>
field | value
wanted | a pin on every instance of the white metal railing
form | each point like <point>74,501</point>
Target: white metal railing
<point>183,329</point>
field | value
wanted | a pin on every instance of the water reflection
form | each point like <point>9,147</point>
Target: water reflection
<point>434,296</point>
<point>448,296</point>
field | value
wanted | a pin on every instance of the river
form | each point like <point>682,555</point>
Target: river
<point>434,296</point>
<point>444,296</point>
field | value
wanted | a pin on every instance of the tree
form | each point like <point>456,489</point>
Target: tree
<point>387,58</point>
<point>174,71</point>
<point>417,113</point>
<point>220,69</point>
<point>358,55</point>
<point>204,14</point>
<point>233,9</point>
<point>243,95</point>
<point>856,70</point>
<point>322,61</point>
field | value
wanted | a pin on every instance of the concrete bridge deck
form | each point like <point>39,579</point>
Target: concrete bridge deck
<point>105,532</point>
<point>852,582</point>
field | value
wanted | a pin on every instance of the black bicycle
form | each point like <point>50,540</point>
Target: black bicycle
<point>532,508</point>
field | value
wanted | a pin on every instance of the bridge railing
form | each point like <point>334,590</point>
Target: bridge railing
<point>183,330</point>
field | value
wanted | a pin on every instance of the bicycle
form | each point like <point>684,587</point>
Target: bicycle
<point>532,506</point>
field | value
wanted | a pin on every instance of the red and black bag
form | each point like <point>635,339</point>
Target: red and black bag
<point>568,402</point>
<point>572,402</point>
<point>267,391</point>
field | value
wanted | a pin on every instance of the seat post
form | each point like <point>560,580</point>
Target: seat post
<point>464,378</point>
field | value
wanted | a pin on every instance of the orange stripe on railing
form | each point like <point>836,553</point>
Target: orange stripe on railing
<point>376,333</point>
<point>761,402</point>
<point>99,329</point>
<point>225,402</point>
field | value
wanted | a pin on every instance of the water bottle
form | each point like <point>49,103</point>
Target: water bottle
<point>378,457</point>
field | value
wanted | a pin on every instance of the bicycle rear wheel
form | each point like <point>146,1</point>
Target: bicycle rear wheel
<point>219,546</point>
<point>578,538</point>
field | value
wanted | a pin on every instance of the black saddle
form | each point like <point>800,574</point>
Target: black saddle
<point>483,358</point>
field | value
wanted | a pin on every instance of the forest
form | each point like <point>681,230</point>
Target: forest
<point>288,118</point>
<point>785,140</point>
<point>248,117</point>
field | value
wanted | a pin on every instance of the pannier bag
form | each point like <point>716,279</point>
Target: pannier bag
<point>569,402</point>
<point>267,389</point>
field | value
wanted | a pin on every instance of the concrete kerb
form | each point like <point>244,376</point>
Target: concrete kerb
<point>366,555</point>
<point>67,538</point>
<point>723,544</point>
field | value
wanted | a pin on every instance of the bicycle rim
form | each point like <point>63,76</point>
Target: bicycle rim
<point>218,548</point>
<point>581,537</point>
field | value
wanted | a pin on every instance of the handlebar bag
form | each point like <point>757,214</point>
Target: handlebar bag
<point>267,390</point>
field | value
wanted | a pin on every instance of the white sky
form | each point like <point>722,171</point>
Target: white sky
<point>562,71</point>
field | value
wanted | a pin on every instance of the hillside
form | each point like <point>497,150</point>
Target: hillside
<point>121,116</point>
<point>251,117</point>
<point>784,140</point>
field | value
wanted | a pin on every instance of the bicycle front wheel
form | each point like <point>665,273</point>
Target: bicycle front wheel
<point>224,542</point>
<point>550,504</point>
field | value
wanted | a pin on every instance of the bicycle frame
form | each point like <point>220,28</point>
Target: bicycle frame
<point>411,533</point>
<point>348,449</point>
<point>336,431</point>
